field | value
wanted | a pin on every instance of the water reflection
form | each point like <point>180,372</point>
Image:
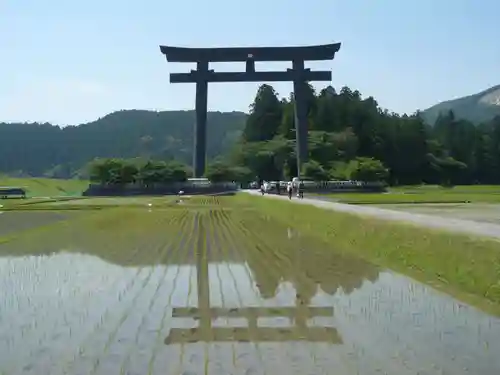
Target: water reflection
<point>224,298</point>
<point>299,314</point>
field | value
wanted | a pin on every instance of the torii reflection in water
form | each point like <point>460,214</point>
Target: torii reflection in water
<point>204,315</point>
<point>329,279</point>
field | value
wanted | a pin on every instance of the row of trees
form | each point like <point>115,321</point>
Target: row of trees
<point>349,138</point>
<point>353,138</point>
<point>136,171</point>
<point>115,171</point>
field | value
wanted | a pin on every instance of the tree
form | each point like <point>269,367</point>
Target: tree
<point>322,148</point>
<point>314,171</point>
<point>150,172</point>
<point>127,174</point>
<point>121,172</point>
<point>368,170</point>
<point>266,160</point>
<point>328,147</point>
<point>242,174</point>
<point>219,172</point>
<point>265,116</point>
<point>450,170</point>
<point>287,124</point>
<point>340,171</point>
<point>327,116</point>
<point>110,171</point>
<point>176,171</point>
<point>406,154</point>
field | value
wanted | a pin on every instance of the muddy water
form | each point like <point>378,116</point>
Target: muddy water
<point>213,303</point>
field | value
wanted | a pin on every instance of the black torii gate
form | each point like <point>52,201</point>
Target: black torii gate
<point>299,75</point>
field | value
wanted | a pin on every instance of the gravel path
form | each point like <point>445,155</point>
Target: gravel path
<point>429,221</point>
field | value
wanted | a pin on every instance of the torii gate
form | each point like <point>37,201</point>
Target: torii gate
<point>299,75</point>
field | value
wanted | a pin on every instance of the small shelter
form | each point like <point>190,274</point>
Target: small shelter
<point>13,192</point>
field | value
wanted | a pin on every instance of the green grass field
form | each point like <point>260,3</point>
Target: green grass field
<point>423,194</point>
<point>46,187</point>
<point>40,190</point>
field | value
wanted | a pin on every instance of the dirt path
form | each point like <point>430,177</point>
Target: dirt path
<point>430,221</point>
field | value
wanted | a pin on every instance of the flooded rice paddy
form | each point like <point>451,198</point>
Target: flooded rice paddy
<point>11,222</point>
<point>211,290</point>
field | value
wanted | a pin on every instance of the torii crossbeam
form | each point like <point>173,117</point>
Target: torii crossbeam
<point>299,75</point>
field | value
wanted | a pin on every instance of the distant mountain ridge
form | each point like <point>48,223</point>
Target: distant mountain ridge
<point>46,149</point>
<point>477,108</point>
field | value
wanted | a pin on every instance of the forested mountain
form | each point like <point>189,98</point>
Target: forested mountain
<point>477,108</point>
<point>38,149</point>
<point>352,137</point>
<point>349,137</point>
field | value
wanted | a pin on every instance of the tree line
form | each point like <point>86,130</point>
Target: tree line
<point>353,138</point>
<point>140,171</point>
<point>350,137</point>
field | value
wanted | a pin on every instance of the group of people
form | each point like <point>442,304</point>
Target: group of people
<point>290,187</point>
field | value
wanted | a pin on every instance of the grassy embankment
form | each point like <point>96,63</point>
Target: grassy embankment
<point>42,190</point>
<point>423,194</point>
<point>465,267</point>
<point>46,187</point>
<point>57,194</point>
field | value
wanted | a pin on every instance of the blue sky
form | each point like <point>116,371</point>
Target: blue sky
<point>70,62</point>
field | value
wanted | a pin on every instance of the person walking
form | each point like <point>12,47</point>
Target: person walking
<point>301,190</point>
<point>289,189</point>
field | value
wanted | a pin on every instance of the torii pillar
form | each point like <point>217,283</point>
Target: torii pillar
<point>301,112</point>
<point>200,129</point>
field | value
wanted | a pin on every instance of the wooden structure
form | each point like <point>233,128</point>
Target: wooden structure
<point>298,74</point>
